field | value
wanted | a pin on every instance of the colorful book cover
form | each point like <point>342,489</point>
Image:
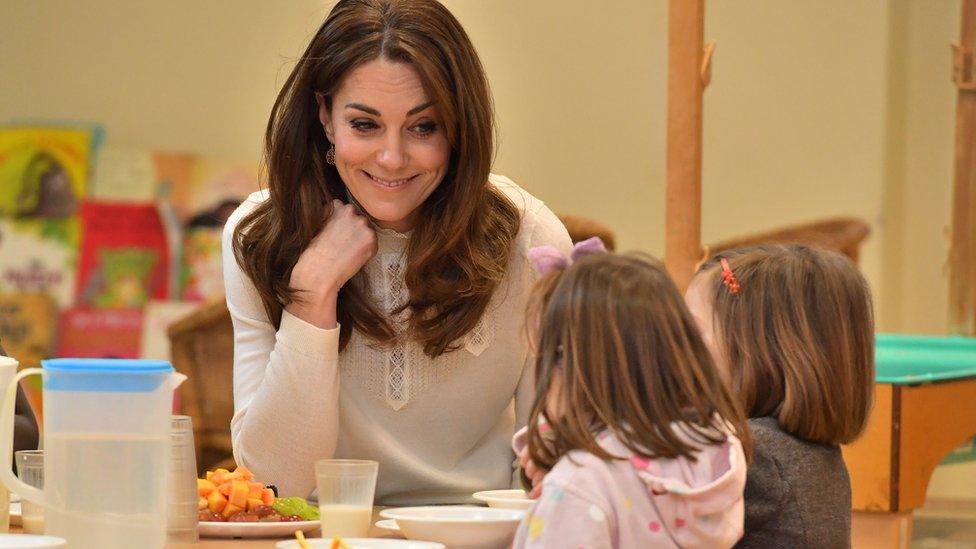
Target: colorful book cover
<point>125,257</point>
<point>155,326</point>
<point>100,333</point>
<point>28,323</point>
<point>174,182</point>
<point>218,181</point>
<point>203,277</point>
<point>39,258</point>
<point>44,170</point>
<point>124,175</point>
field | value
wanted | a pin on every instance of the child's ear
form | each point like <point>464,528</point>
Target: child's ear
<point>325,117</point>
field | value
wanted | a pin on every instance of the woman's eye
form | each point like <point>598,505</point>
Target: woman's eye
<point>362,126</point>
<point>425,128</point>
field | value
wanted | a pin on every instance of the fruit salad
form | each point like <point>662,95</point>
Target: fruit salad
<point>234,497</point>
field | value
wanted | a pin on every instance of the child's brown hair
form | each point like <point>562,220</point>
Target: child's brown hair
<point>615,333</point>
<point>798,336</point>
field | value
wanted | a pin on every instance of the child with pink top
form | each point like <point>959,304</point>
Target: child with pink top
<point>642,442</point>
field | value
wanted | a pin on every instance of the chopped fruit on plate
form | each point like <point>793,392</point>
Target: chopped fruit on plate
<point>227,496</point>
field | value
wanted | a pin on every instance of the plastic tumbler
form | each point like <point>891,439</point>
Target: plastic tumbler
<point>182,517</point>
<point>30,469</point>
<point>346,488</point>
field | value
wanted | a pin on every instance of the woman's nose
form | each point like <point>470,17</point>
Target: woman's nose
<point>392,156</point>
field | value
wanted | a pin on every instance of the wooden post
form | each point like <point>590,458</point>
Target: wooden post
<point>962,253</point>
<point>687,73</point>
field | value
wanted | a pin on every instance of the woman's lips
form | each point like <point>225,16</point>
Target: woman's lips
<point>389,183</point>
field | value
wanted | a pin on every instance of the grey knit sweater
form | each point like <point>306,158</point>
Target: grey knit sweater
<point>798,493</point>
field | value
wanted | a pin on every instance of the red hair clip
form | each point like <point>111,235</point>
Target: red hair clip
<point>728,277</point>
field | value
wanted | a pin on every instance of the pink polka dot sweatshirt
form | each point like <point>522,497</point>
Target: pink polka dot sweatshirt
<point>591,503</point>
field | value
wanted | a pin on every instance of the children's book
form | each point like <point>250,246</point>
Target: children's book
<point>99,333</point>
<point>125,256</point>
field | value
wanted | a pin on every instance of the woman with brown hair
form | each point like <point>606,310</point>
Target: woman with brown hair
<point>640,435</point>
<point>376,287</point>
<point>792,328</point>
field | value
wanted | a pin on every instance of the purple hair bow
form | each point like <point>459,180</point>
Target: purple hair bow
<point>548,258</point>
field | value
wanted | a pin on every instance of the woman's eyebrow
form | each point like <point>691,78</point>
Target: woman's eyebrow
<point>374,112</point>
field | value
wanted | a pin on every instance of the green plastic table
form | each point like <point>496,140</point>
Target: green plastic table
<point>925,406</point>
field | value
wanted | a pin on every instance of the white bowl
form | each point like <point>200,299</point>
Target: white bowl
<point>460,527</point>
<point>390,526</point>
<point>361,543</point>
<point>505,499</point>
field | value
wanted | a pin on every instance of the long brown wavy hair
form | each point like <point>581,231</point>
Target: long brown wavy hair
<point>799,337</point>
<point>616,333</point>
<point>459,250</point>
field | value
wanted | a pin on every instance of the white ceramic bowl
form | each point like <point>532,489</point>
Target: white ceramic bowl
<point>362,543</point>
<point>460,527</point>
<point>505,499</point>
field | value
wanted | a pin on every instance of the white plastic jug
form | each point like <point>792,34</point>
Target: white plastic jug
<point>106,450</point>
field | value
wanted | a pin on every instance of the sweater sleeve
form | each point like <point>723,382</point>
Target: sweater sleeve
<point>545,229</point>
<point>286,384</point>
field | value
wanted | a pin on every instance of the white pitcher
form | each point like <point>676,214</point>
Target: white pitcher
<point>106,450</point>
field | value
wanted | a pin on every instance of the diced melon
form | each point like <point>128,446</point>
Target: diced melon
<point>209,475</point>
<point>255,489</point>
<point>225,489</point>
<point>216,501</point>
<point>231,510</point>
<point>218,476</point>
<point>246,474</point>
<point>204,487</point>
<point>203,504</point>
<point>238,493</point>
<point>267,496</point>
<point>253,502</point>
<point>236,475</point>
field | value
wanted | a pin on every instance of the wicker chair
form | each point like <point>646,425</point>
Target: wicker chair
<point>842,234</point>
<point>202,346</point>
<point>581,228</point>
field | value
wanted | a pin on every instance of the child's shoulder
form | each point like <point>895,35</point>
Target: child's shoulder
<point>581,469</point>
<point>794,456</point>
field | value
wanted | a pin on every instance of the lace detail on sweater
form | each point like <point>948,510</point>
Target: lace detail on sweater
<point>402,372</point>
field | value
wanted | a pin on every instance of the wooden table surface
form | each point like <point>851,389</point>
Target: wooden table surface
<point>269,543</point>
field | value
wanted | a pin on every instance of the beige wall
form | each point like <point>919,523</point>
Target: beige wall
<point>815,108</point>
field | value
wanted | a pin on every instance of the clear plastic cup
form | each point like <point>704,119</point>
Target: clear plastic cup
<point>346,488</point>
<point>30,469</point>
<point>182,513</point>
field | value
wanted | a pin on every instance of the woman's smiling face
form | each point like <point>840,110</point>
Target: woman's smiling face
<point>390,147</point>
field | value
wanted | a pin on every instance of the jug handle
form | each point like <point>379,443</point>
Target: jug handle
<point>7,475</point>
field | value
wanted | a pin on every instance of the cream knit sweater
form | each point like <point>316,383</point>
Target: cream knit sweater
<point>440,429</point>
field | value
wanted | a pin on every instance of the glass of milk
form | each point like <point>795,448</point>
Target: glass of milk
<point>346,489</point>
<point>30,469</point>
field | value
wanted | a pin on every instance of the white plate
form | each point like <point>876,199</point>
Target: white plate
<point>256,529</point>
<point>505,499</point>
<point>363,543</point>
<point>27,541</point>
<point>458,526</point>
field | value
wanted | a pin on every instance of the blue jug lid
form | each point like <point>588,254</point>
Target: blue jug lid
<point>105,374</point>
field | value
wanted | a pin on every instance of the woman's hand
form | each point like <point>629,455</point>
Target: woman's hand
<point>532,472</point>
<point>334,256</point>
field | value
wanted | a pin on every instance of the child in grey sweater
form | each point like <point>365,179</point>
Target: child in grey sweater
<point>791,327</point>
